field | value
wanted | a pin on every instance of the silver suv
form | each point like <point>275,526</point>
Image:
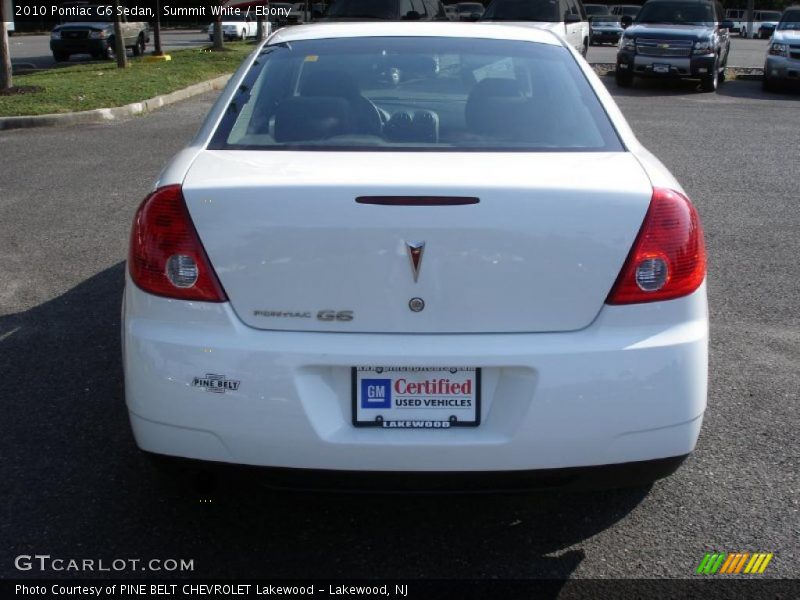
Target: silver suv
<point>783,56</point>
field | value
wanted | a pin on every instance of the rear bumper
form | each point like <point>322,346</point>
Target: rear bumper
<point>573,479</point>
<point>630,387</point>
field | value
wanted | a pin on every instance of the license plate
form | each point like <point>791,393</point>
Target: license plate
<point>416,397</point>
<point>660,68</point>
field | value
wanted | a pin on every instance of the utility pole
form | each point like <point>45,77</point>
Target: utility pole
<point>6,79</point>
<point>119,40</point>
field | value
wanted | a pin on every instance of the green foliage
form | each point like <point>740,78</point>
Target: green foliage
<point>100,85</point>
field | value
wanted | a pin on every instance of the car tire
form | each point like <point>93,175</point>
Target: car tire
<point>110,53</point>
<point>722,76</point>
<point>710,82</point>
<point>585,47</point>
<point>60,56</point>
<point>139,48</point>
<point>623,79</point>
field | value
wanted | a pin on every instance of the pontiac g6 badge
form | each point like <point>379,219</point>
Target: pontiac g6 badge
<point>415,251</point>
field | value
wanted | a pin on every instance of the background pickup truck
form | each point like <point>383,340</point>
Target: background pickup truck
<point>93,33</point>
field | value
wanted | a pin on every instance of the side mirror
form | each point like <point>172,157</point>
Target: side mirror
<point>572,18</point>
<point>626,21</point>
<point>412,15</point>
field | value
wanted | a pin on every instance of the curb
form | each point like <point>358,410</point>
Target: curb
<point>103,115</point>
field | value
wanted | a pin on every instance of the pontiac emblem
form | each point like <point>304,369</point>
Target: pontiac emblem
<point>415,251</point>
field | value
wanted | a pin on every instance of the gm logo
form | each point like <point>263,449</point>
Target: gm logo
<point>376,393</point>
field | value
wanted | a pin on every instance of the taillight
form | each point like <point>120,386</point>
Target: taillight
<point>166,257</point>
<point>668,258</point>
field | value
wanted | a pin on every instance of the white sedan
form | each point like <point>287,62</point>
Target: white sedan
<point>475,275</point>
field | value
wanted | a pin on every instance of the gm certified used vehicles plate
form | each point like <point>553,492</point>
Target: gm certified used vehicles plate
<point>476,270</point>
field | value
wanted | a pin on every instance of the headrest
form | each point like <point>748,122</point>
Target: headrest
<point>300,119</point>
<point>496,107</point>
<point>323,82</point>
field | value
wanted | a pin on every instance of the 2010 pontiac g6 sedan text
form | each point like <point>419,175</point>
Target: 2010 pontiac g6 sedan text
<point>407,250</point>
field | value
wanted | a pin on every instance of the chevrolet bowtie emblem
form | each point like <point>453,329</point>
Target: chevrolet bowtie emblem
<point>415,251</point>
<point>663,46</point>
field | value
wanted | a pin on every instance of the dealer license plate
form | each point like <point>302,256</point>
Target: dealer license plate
<point>660,68</point>
<point>416,397</point>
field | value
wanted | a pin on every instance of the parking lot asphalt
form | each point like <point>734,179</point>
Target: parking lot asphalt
<point>33,51</point>
<point>73,484</point>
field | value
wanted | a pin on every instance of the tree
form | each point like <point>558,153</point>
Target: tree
<point>119,40</point>
<point>6,80</point>
<point>218,45</point>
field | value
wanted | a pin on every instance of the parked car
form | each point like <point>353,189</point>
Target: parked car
<point>675,39</point>
<point>761,18</point>
<point>451,12</point>
<point>593,10</point>
<point>782,64</point>
<point>374,317</point>
<point>626,10</point>
<point>237,27</point>
<point>470,11</point>
<point>279,16</point>
<point>605,29</point>
<point>565,18</point>
<point>380,10</point>
<point>93,34</point>
<point>765,30</point>
<point>736,18</point>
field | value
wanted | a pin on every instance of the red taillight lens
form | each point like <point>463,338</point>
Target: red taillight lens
<point>668,258</point>
<point>166,256</point>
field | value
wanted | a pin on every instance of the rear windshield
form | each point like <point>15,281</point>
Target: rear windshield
<point>364,9</point>
<point>423,93</point>
<point>523,10</point>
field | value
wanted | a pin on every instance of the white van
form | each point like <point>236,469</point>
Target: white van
<point>567,18</point>
<point>8,12</point>
<point>760,17</point>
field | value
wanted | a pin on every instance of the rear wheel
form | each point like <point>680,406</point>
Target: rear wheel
<point>623,78</point>
<point>585,47</point>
